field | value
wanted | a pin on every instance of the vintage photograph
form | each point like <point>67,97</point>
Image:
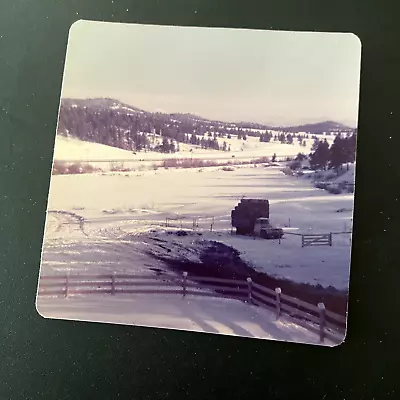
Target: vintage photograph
<point>203,180</point>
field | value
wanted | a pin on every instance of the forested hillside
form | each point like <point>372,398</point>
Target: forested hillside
<point>116,124</point>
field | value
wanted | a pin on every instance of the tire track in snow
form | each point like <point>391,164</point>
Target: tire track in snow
<point>64,220</point>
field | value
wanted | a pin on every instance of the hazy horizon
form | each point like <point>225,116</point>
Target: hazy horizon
<point>232,75</point>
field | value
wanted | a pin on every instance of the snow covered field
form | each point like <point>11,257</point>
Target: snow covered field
<point>116,205</point>
<point>116,222</point>
<point>223,316</point>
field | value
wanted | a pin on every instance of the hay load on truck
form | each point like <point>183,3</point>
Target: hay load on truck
<point>251,217</point>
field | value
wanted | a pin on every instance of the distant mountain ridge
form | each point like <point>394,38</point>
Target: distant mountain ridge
<point>99,103</point>
<point>113,104</point>
<point>317,127</point>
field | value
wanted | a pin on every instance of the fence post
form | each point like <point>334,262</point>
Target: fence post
<point>113,283</point>
<point>249,287</point>
<point>330,239</point>
<point>289,222</point>
<point>302,240</point>
<point>166,222</point>
<point>66,284</point>
<point>185,274</point>
<point>322,319</point>
<point>278,292</point>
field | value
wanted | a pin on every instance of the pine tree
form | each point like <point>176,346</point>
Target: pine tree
<point>338,154</point>
<point>300,139</point>
<point>351,145</point>
<point>324,153</point>
<point>165,145</point>
<point>319,157</point>
<point>215,144</point>
<point>315,145</point>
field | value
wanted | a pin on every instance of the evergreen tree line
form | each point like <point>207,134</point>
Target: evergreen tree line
<point>106,126</point>
<point>284,138</point>
<point>167,146</point>
<point>138,131</point>
<point>342,151</point>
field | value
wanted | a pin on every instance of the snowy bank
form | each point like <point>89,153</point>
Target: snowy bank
<point>223,316</point>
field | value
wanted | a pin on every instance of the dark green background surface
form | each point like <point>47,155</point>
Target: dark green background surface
<point>47,359</point>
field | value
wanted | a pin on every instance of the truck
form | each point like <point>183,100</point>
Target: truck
<point>251,217</point>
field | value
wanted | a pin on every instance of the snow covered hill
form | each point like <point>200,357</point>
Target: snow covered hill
<point>112,123</point>
<point>69,149</point>
<point>319,128</point>
<point>100,104</point>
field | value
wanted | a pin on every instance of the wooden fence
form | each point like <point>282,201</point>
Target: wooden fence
<point>192,223</point>
<point>178,220</point>
<point>315,318</point>
<point>323,239</point>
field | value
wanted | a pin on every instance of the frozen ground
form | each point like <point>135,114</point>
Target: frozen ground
<point>116,220</point>
<point>223,316</point>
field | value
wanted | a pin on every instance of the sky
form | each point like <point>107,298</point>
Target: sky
<point>271,77</point>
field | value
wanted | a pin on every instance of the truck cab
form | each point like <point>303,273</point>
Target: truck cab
<point>264,229</point>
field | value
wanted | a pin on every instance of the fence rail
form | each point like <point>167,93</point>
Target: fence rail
<point>191,223</point>
<point>317,239</point>
<point>316,318</point>
<point>323,239</point>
